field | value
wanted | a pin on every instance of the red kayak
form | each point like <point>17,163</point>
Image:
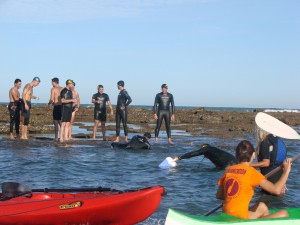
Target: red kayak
<point>111,207</point>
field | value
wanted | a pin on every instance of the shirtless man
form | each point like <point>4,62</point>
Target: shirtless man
<point>14,108</point>
<point>100,99</point>
<point>75,108</point>
<point>56,102</point>
<point>67,101</point>
<point>27,95</point>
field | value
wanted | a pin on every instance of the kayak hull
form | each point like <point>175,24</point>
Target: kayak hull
<point>82,208</point>
<point>175,217</point>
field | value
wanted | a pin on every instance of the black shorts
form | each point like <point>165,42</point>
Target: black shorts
<point>66,114</point>
<point>25,113</point>
<point>99,115</point>
<point>57,112</point>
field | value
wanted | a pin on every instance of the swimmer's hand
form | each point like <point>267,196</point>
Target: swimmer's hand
<point>155,117</point>
<point>173,117</point>
<point>177,158</point>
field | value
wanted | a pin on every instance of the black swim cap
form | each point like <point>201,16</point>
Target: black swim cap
<point>36,79</point>
<point>55,80</point>
<point>147,135</point>
<point>164,86</point>
<point>121,83</point>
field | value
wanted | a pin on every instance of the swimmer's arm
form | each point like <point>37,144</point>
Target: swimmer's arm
<point>280,184</point>
<point>190,154</point>
<point>155,107</point>
<point>51,100</point>
<point>110,107</point>
<point>220,193</point>
<point>94,100</point>
<point>25,92</point>
<point>78,101</point>
<point>263,163</point>
<point>172,105</point>
<point>63,100</point>
<point>129,100</point>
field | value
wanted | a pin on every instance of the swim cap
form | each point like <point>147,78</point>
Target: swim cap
<point>69,82</point>
<point>55,80</point>
<point>147,135</point>
<point>121,83</point>
<point>36,79</point>
<point>164,86</point>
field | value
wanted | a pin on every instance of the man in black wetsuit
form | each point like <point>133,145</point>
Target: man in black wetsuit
<point>136,142</point>
<point>121,112</point>
<point>100,99</point>
<point>67,101</point>
<point>162,111</point>
<point>14,108</point>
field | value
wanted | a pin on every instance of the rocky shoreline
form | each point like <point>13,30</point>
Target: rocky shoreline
<point>198,122</point>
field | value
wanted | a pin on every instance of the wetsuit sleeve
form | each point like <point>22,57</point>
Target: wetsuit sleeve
<point>191,154</point>
<point>155,107</point>
<point>129,100</point>
<point>172,105</point>
<point>107,98</point>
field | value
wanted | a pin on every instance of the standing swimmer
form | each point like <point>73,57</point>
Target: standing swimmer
<point>121,112</point>
<point>162,111</point>
<point>56,102</point>
<point>14,109</point>
<point>75,108</point>
<point>27,95</point>
<point>100,99</point>
<point>67,101</point>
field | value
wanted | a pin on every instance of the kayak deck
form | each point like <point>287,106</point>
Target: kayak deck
<point>175,217</point>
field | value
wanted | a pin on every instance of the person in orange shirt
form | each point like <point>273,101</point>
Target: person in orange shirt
<point>236,186</point>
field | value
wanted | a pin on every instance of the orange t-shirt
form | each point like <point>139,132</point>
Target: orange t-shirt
<point>239,182</point>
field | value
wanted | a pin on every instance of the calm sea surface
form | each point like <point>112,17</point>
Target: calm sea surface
<point>190,187</point>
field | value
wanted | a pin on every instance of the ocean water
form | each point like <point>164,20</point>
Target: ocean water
<point>190,186</point>
<point>149,107</point>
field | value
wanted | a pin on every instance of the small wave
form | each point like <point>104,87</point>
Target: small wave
<point>282,110</point>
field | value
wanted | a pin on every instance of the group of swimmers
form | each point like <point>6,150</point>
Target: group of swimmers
<point>236,186</point>
<point>66,103</point>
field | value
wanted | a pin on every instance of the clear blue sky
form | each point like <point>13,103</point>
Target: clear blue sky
<point>239,53</point>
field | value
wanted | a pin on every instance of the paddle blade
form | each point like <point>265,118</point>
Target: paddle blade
<point>274,126</point>
<point>167,163</point>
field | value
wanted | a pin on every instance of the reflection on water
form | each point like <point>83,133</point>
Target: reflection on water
<point>190,186</point>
